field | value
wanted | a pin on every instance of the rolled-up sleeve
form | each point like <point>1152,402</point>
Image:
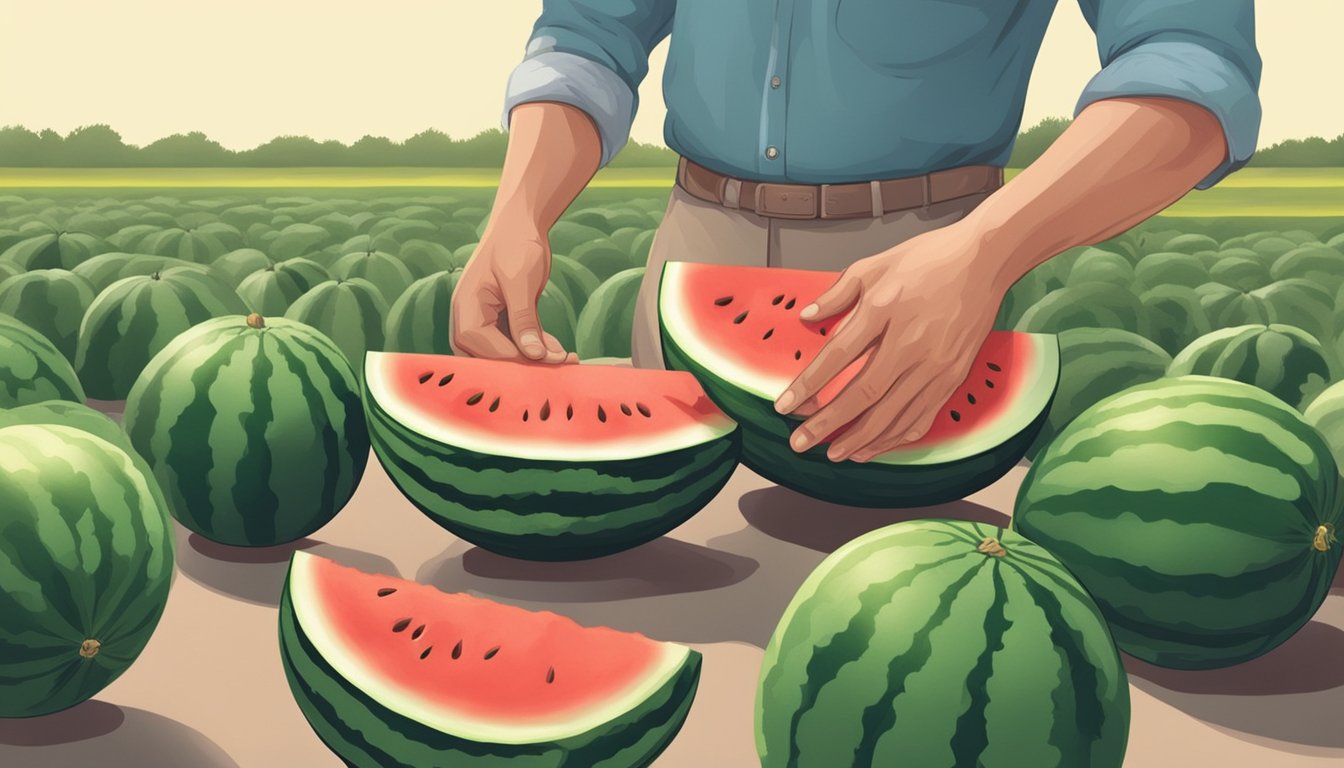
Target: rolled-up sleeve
<point>1201,51</point>
<point>592,55</point>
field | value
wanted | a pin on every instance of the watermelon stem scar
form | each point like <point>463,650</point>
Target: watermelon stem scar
<point>255,320</point>
<point>991,546</point>
<point>1325,536</point>
<point>89,648</point>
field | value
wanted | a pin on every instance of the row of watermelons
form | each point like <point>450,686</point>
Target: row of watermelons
<point>436,470</point>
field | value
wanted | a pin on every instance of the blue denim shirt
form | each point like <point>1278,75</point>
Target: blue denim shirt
<point>817,91</point>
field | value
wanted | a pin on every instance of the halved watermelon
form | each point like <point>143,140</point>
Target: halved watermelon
<point>394,673</point>
<point>739,331</point>
<point>547,462</point>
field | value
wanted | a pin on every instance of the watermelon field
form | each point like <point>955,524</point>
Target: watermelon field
<point>229,510</point>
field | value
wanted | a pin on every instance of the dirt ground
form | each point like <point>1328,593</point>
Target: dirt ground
<point>208,692</point>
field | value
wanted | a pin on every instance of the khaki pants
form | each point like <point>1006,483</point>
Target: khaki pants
<point>694,230</point>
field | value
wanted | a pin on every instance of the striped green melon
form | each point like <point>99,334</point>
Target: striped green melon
<point>1326,414</point>
<point>1229,307</point>
<point>607,322</point>
<point>565,236</point>
<point>395,674</point>
<point>307,272</point>
<point>1175,316</point>
<point>32,369</point>
<point>1085,305</point>
<point>420,320</point>
<point>9,269</point>
<point>238,264</point>
<point>1096,363</point>
<point>1244,274</point>
<point>107,268</point>
<point>51,302</point>
<point>194,245</point>
<point>577,281</point>
<point>1301,303</point>
<point>1190,243</point>
<point>1280,359</point>
<point>1096,265</point>
<point>253,428</point>
<point>58,250</point>
<point>938,643</point>
<point>556,315</point>
<point>547,462</point>
<point>424,258</point>
<point>603,257</point>
<point>134,318</point>
<point>1320,264</point>
<point>269,291</point>
<point>383,270</point>
<point>88,556</point>
<point>1199,512</point>
<point>1170,268</point>
<point>350,312</point>
<point>739,331</point>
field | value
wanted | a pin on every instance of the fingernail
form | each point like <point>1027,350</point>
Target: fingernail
<point>836,455</point>
<point>785,402</point>
<point>800,439</point>
<point>531,343</point>
<point>809,311</point>
<point>910,437</point>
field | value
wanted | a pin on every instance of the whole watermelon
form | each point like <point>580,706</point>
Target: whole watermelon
<point>269,291</point>
<point>136,317</point>
<point>350,312</point>
<point>942,643</point>
<point>50,301</point>
<point>1199,512</point>
<point>253,427</point>
<point>387,273</point>
<point>107,268</point>
<point>1326,414</point>
<point>1280,359</point>
<point>420,319</point>
<point>32,369</point>
<point>605,326</point>
<point>89,560</point>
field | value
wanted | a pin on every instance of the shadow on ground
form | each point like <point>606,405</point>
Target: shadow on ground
<point>1255,697</point>
<point>108,736</point>
<point>257,574</point>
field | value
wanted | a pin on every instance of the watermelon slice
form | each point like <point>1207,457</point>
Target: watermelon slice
<point>739,331</point>
<point>389,672</point>
<point>547,462</point>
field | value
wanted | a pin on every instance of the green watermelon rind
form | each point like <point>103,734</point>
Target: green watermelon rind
<point>841,685</point>
<point>42,668</point>
<point>32,370</point>
<point>1187,604</point>
<point>908,478</point>
<point>367,733</point>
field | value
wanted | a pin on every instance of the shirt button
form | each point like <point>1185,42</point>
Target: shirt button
<point>771,152</point>
<point>775,81</point>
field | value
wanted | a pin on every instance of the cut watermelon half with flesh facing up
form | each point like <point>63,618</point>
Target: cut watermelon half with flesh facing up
<point>547,462</point>
<point>739,331</point>
<point>389,672</point>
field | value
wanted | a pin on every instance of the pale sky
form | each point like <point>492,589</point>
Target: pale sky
<point>248,70</point>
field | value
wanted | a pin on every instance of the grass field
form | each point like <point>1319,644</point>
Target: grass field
<point>1252,192</point>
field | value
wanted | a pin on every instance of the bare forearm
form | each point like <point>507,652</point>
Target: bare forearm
<point>1120,162</point>
<point>554,150</point>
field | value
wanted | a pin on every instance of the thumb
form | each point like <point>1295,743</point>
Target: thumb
<point>840,296</point>
<point>520,307</point>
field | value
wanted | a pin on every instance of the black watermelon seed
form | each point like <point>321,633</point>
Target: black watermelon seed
<point>524,414</point>
<point>970,398</point>
<point>723,301</point>
<point>385,591</point>
<point>626,410</point>
<point>797,354</point>
<point>989,384</point>
<point>425,653</point>
<point>401,625</point>
<point>550,675</point>
<point>822,331</point>
<point>490,654</point>
<point>643,410</point>
<point>545,411</point>
<point>494,405</point>
<point>777,299</point>
<point>601,414</point>
<point>791,303</point>
<point>457,650</point>
<point>426,377</point>
<point>420,630</point>
<point>738,320</point>
<point>993,367</point>
<point>476,398</point>
<point>956,416</point>
<point>445,379</point>
<point>768,334</point>
<point>569,413</point>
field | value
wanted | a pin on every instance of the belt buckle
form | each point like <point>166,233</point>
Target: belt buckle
<point>786,201</point>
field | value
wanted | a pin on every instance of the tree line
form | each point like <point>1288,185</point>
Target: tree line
<point>99,146</point>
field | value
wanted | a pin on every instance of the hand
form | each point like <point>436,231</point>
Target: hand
<point>920,313</point>
<point>501,284</point>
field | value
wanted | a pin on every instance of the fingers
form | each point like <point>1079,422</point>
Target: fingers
<point>840,296</point>
<point>898,420</point>
<point>520,308</point>
<point>555,351</point>
<point>867,389</point>
<point>836,354</point>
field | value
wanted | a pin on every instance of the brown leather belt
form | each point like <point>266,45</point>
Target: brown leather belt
<point>869,199</point>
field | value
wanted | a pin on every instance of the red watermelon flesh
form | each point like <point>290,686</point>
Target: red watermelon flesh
<point>530,410</point>
<point>471,666</point>
<point>745,325</point>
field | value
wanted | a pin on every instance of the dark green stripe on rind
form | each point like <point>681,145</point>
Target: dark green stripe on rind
<point>85,553</point>
<point>365,733</point>
<point>1189,507</point>
<point>766,450</point>
<point>551,510</point>
<point>51,302</point>
<point>260,442</point>
<point>910,647</point>
<point>32,370</point>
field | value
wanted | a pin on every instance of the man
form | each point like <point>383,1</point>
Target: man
<point>866,136</point>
